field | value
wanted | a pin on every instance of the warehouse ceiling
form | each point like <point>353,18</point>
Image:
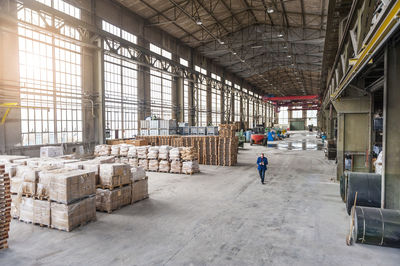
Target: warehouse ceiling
<point>276,45</point>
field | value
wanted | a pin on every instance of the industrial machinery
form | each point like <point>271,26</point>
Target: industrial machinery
<point>258,136</point>
<point>242,138</point>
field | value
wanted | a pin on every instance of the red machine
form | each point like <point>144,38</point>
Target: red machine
<point>258,137</point>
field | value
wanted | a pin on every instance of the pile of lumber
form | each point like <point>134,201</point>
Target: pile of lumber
<point>227,130</point>
<point>5,207</point>
<point>207,148</point>
<point>159,140</point>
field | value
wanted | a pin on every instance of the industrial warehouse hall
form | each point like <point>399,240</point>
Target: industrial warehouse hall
<point>199,132</point>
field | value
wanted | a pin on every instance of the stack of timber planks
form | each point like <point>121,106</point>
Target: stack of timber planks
<point>210,150</point>
<point>5,207</point>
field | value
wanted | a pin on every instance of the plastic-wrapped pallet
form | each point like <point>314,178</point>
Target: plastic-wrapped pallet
<point>28,177</point>
<point>124,149</point>
<point>115,174</point>
<point>26,209</point>
<point>102,150</point>
<point>190,167</point>
<point>15,203</point>
<point>124,160</point>
<point>66,186</point>
<point>103,159</point>
<point>174,154</point>
<point>164,166</point>
<point>153,165</point>
<point>153,152</point>
<point>16,185</point>
<point>109,200</point>
<point>144,163</point>
<point>188,153</point>
<point>137,173</point>
<point>115,150</point>
<point>163,153</point>
<point>176,167</point>
<point>51,151</point>
<point>67,217</point>
<point>41,212</point>
<point>142,152</point>
<point>140,190</point>
<point>11,169</point>
<point>134,162</point>
<point>132,152</point>
<point>4,159</point>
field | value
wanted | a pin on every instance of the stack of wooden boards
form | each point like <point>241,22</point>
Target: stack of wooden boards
<point>156,158</point>
<point>5,207</point>
<point>211,150</point>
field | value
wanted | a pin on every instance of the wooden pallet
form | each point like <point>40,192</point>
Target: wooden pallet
<point>112,187</point>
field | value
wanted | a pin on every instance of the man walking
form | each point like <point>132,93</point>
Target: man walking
<point>262,163</point>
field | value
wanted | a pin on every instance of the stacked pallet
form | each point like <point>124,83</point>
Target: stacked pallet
<point>227,151</point>
<point>59,198</point>
<point>114,190</point>
<point>159,140</point>
<point>190,167</point>
<point>227,130</point>
<point>5,207</point>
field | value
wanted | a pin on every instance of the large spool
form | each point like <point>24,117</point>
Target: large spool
<point>376,226</point>
<point>343,186</point>
<point>368,186</point>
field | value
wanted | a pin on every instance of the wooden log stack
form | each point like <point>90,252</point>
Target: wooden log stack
<point>5,207</point>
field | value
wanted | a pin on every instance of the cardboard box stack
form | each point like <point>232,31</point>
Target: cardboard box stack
<point>102,150</point>
<point>139,184</point>
<point>114,190</point>
<point>5,207</point>
<point>57,198</point>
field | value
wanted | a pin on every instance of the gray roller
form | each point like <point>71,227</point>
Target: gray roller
<point>376,226</point>
<point>368,186</point>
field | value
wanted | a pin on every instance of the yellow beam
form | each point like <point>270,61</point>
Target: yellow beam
<point>14,105</point>
<point>379,35</point>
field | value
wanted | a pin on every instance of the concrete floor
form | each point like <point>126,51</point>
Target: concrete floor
<point>223,216</point>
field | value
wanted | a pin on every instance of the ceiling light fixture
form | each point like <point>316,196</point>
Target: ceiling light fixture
<point>234,53</point>
<point>256,46</point>
<point>198,21</point>
<point>289,56</point>
<point>270,10</point>
<point>280,35</point>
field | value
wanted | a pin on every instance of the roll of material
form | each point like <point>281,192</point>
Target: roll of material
<point>376,226</point>
<point>343,186</point>
<point>368,186</point>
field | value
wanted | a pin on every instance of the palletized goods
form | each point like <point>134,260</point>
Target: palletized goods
<point>66,186</point>
<point>153,152</point>
<point>112,175</point>
<point>51,151</point>
<point>140,190</point>
<point>144,163</point>
<point>188,154</point>
<point>176,167</point>
<point>142,152</point>
<point>137,173</point>
<point>163,153</point>
<point>175,153</point>
<point>102,150</point>
<point>153,165</point>
<point>67,217</point>
<point>190,167</point>
<point>164,166</point>
<point>132,152</point>
<point>109,200</point>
